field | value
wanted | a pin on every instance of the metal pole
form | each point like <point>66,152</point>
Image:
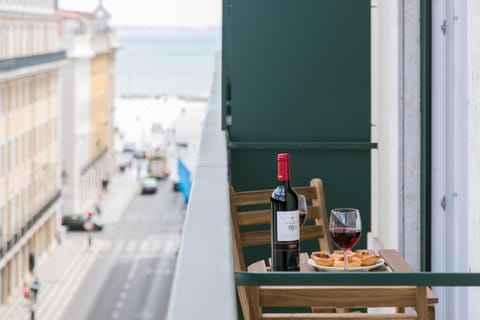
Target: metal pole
<point>32,309</point>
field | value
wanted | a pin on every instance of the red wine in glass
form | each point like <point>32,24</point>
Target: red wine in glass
<point>345,227</point>
<point>345,238</point>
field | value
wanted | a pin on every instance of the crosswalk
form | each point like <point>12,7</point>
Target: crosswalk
<point>153,246</point>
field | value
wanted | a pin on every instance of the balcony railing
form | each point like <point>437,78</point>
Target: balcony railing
<point>203,286</point>
<point>23,62</point>
<point>10,243</point>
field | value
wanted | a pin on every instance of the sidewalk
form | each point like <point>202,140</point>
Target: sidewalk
<point>61,270</point>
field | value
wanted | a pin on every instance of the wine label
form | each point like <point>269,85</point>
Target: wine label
<point>288,225</point>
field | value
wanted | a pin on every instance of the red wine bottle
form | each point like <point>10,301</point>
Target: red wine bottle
<point>285,228</point>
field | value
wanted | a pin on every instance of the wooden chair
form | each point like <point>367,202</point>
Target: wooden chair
<point>243,216</point>
<point>335,297</point>
<point>245,213</point>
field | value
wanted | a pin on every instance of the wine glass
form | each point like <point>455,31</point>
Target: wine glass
<point>302,212</point>
<point>345,229</point>
<point>302,209</point>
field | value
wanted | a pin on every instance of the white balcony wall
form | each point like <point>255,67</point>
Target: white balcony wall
<point>472,12</point>
<point>385,217</point>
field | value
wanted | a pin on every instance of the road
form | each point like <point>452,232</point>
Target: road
<point>132,275</point>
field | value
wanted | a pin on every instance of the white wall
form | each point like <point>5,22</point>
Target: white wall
<point>76,124</point>
<point>67,136</point>
<point>396,113</point>
<point>385,219</point>
<point>473,145</point>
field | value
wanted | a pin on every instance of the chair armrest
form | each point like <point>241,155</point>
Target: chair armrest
<point>396,262</point>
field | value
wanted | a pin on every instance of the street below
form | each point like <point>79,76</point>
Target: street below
<point>132,273</point>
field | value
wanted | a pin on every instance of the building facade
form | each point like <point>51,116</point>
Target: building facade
<point>30,62</point>
<point>101,154</point>
<point>76,38</point>
<point>87,107</point>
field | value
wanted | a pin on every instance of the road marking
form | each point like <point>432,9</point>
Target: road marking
<point>123,295</point>
<point>126,286</point>
<point>171,247</point>
<point>115,315</point>
<point>131,273</point>
<point>118,246</point>
<point>144,246</point>
<point>131,245</point>
<point>107,245</point>
<point>156,245</point>
<point>119,304</point>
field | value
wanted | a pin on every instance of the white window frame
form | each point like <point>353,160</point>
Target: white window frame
<point>449,152</point>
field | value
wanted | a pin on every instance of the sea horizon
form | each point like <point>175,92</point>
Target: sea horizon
<point>166,61</point>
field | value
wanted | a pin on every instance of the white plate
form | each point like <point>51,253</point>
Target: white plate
<point>340,269</point>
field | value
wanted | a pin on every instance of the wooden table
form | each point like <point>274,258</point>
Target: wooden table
<point>394,262</point>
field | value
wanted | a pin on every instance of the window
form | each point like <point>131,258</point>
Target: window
<point>23,152</point>
<point>17,152</point>
<point>9,218</point>
<point>6,98</point>
<point>2,163</point>
<point>11,94</point>
<point>16,212</point>
<point>10,156</point>
<point>2,214</point>
<point>18,98</point>
<point>30,144</point>
<point>2,106</point>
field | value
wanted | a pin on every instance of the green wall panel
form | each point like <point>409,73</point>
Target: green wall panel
<point>296,79</point>
<point>300,70</point>
<point>345,175</point>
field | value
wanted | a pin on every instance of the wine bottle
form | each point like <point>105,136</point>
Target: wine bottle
<point>285,228</point>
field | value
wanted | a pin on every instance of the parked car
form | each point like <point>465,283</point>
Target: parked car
<point>129,147</point>
<point>124,160</point>
<point>143,151</point>
<point>149,185</point>
<point>75,222</point>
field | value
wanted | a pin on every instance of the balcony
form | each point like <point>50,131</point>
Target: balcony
<point>30,61</point>
<point>396,194</point>
<point>204,281</point>
<point>213,295</point>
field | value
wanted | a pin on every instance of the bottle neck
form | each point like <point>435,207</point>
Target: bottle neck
<point>283,172</point>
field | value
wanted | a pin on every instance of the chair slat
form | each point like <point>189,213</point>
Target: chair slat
<point>328,297</point>
<point>255,238</point>
<point>262,237</point>
<point>248,198</point>
<point>336,316</point>
<point>256,217</point>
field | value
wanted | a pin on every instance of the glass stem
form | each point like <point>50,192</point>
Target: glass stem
<point>345,260</point>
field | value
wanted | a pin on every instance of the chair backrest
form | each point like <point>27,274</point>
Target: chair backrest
<point>337,297</point>
<point>329,298</point>
<point>242,215</point>
<point>245,213</point>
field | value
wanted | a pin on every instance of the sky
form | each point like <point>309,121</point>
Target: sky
<point>164,13</point>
